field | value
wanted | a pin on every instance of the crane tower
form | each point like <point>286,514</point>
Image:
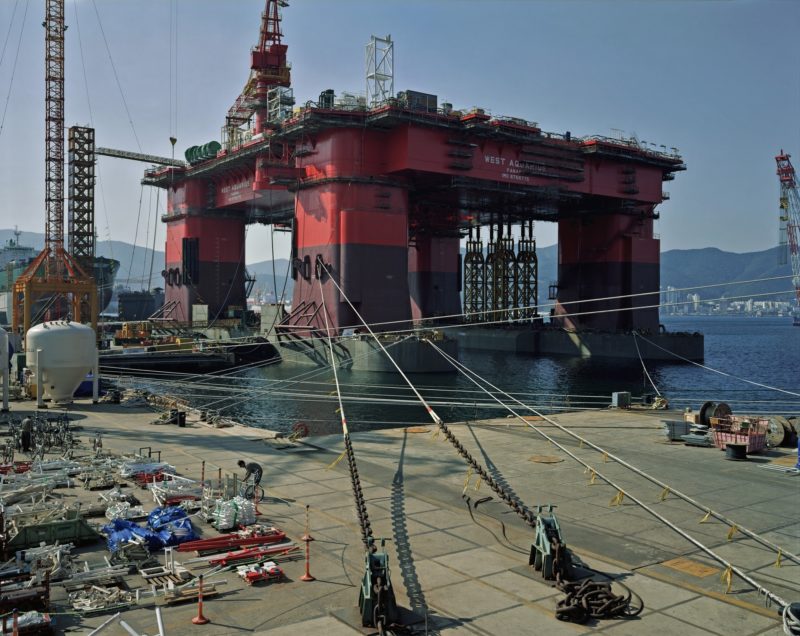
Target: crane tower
<point>54,271</point>
<point>790,223</point>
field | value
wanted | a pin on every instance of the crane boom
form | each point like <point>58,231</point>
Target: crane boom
<point>790,222</point>
<point>138,156</point>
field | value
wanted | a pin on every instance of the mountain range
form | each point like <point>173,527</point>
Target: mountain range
<point>682,269</point>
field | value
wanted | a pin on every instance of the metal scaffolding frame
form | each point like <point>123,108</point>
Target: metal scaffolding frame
<point>81,175</point>
<point>380,70</point>
<point>474,281</point>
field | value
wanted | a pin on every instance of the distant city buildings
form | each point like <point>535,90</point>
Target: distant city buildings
<point>673,303</point>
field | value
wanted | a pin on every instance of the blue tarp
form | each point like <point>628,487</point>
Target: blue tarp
<point>165,527</point>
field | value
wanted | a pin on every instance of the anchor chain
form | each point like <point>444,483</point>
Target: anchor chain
<point>522,511</point>
<point>593,599</point>
<point>361,505</point>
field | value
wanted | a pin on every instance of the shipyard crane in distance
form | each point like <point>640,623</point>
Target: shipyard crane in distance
<point>790,223</point>
<point>54,272</point>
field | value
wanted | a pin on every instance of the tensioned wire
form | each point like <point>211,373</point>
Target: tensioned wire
<point>569,399</point>
<point>598,299</point>
<point>509,320</point>
<point>280,384</point>
<point>572,302</point>
<point>14,65</point>
<point>258,393</point>
<point>740,573</point>
<point>231,375</point>
<point>512,320</point>
<point>707,368</point>
<point>465,396</point>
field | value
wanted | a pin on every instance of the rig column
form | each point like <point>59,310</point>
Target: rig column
<point>204,257</point>
<point>434,277</point>
<point>608,256</point>
<point>358,226</point>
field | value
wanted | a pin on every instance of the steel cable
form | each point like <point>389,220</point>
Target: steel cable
<point>732,568</point>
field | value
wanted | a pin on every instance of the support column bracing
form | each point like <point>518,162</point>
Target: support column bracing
<point>527,273</point>
<point>474,279</point>
<point>500,265</point>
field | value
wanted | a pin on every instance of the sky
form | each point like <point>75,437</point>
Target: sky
<point>717,79</point>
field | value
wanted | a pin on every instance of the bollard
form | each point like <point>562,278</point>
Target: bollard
<point>307,576</point>
<point>200,619</point>
<point>307,537</point>
<point>15,623</point>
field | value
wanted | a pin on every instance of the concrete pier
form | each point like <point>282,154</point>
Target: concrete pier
<point>461,568</point>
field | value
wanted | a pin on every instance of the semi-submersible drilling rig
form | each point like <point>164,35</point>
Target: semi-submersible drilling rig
<point>378,193</point>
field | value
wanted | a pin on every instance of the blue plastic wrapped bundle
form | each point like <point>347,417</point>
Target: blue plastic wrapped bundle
<point>121,531</point>
<point>172,524</point>
<point>166,527</point>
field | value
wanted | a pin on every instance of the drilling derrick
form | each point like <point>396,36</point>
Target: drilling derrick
<point>264,95</point>
<point>54,272</point>
<point>790,223</point>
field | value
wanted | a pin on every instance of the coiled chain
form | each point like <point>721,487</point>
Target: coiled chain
<point>593,599</point>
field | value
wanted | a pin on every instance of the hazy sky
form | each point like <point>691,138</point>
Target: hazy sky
<point>719,80</point>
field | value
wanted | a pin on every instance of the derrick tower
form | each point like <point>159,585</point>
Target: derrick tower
<point>54,272</point>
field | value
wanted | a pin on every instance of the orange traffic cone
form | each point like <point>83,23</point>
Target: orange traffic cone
<point>200,619</point>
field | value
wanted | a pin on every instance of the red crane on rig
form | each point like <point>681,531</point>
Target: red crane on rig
<point>268,69</point>
<point>790,223</point>
<point>54,271</point>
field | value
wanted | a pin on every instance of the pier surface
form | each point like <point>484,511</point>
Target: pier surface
<point>458,567</point>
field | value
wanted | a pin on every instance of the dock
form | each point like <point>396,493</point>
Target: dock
<point>459,556</point>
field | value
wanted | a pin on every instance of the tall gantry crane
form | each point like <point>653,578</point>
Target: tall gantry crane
<point>790,223</point>
<point>267,91</point>
<point>54,273</point>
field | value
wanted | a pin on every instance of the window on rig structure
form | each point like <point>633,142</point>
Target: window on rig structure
<point>191,261</point>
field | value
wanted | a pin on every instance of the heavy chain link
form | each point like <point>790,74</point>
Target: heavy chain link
<point>361,505</point>
<point>522,511</point>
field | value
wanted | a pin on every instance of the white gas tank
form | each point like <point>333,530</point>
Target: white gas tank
<point>67,353</point>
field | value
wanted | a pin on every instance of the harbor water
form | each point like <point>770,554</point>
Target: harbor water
<point>740,351</point>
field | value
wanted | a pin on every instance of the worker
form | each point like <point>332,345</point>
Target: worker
<point>252,469</point>
<point>27,427</point>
